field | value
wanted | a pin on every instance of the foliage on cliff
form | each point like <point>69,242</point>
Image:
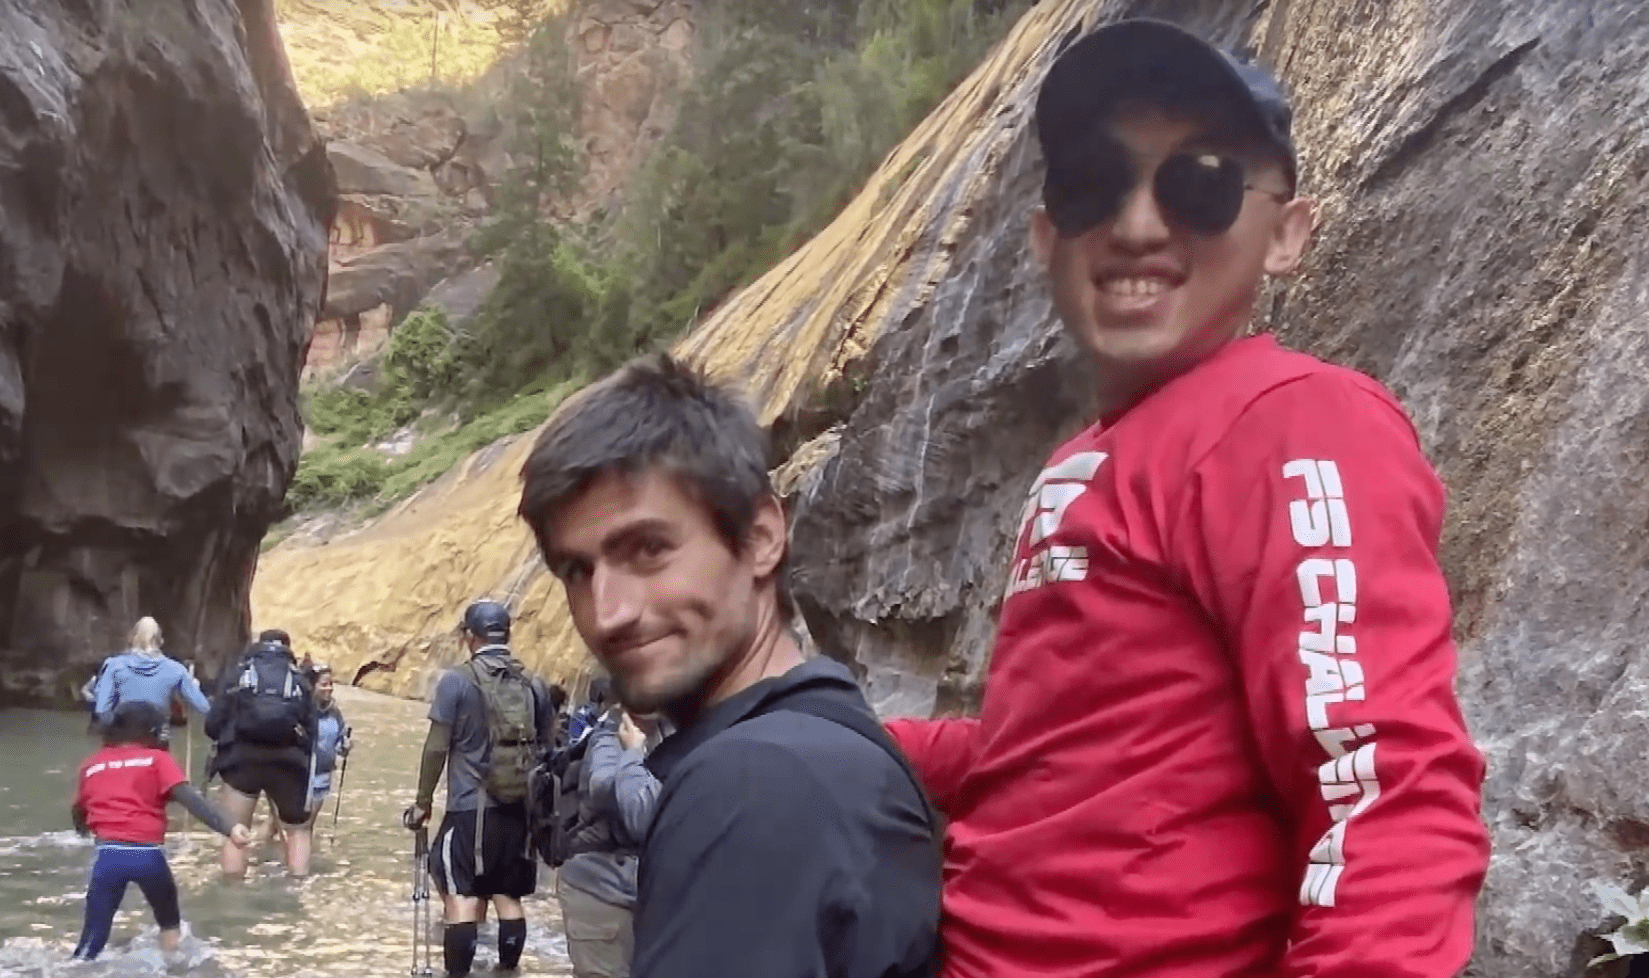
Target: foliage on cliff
<point>362,48</point>
<point>790,108</point>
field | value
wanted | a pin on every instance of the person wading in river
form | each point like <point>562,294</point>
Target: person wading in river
<point>121,801</point>
<point>263,725</point>
<point>597,853</point>
<point>489,723</point>
<point>1218,735</point>
<point>332,742</point>
<point>143,673</point>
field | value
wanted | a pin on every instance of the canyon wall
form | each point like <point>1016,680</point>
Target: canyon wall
<point>164,206</point>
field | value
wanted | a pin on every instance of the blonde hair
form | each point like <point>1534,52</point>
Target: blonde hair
<point>145,635</point>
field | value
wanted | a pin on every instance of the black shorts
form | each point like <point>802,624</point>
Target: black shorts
<point>287,786</point>
<point>507,864</point>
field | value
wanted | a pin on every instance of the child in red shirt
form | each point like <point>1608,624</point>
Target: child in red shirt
<point>121,800</point>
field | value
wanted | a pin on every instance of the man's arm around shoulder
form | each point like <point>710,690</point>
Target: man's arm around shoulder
<point>941,751</point>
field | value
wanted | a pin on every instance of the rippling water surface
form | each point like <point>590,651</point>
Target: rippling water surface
<point>352,916</point>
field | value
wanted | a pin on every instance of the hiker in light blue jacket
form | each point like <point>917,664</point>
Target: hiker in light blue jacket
<point>144,673</point>
<point>331,741</point>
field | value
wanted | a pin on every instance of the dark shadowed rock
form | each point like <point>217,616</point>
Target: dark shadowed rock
<point>164,208</point>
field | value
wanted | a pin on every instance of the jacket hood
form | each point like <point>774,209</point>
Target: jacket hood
<point>144,663</point>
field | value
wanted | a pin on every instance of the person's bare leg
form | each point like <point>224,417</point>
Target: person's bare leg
<point>239,809</point>
<point>299,844</point>
<point>461,909</point>
<point>458,926</point>
<point>169,939</point>
<point>509,908</point>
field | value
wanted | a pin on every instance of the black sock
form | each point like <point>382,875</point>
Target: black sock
<point>512,937</point>
<point>458,948</point>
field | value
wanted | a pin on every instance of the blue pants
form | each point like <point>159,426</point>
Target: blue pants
<point>116,864</point>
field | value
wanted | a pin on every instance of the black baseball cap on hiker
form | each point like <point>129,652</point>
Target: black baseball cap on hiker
<point>1150,62</point>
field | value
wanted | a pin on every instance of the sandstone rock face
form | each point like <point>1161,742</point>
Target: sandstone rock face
<point>412,182</point>
<point>1481,168</point>
<point>365,171</point>
<point>631,59</point>
<point>429,163</point>
<point>164,207</point>
<point>370,294</point>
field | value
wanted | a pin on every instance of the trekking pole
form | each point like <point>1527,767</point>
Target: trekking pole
<point>420,904</point>
<point>338,802</point>
<point>188,755</point>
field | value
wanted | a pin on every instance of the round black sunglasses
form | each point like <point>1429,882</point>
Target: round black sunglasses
<point>1200,191</point>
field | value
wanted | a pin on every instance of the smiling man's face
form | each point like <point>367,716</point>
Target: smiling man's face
<point>656,593</point>
<point>1148,298</point>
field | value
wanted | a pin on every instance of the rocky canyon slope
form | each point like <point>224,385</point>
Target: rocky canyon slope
<point>1482,168</point>
<point>163,216</point>
<point>421,168</point>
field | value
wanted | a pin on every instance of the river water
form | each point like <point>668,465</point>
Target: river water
<point>351,917</point>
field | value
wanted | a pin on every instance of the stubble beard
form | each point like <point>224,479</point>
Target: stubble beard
<point>681,693</point>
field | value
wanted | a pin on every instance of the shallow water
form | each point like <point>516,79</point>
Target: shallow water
<point>352,916</point>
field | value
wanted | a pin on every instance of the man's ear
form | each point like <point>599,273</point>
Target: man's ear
<point>1042,235</point>
<point>768,536</point>
<point>1291,237</point>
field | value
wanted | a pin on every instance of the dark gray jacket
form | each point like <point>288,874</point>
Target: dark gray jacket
<point>787,844</point>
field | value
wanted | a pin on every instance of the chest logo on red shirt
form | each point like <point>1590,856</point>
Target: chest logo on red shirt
<point>1053,492</point>
<point>116,765</point>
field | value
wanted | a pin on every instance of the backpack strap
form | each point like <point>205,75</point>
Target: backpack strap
<point>872,730</point>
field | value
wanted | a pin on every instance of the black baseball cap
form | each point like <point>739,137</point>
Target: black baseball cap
<point>1155,62</point>
<point>487,619</point>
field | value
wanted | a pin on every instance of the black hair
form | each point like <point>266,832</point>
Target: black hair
<point>656,412</point>
<point>275,635</point>
<point>136,722</point>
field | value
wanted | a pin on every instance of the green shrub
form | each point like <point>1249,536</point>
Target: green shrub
<point>328,475</point>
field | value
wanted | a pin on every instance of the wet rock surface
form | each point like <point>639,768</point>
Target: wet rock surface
<point>163,222</point>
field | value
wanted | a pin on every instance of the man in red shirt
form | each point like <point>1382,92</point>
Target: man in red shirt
<point>1219,736</point>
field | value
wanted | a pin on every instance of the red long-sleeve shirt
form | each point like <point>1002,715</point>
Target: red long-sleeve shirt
<point>1219,736</point>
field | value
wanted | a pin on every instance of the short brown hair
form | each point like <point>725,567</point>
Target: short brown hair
<point>655,412</point>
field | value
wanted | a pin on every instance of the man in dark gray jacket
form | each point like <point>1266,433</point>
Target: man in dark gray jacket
<point>596,887</point>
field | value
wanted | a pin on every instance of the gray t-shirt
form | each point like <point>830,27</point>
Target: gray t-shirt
<point>458,703</point>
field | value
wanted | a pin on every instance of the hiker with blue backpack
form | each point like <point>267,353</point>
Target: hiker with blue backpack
<point>145,674</point>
